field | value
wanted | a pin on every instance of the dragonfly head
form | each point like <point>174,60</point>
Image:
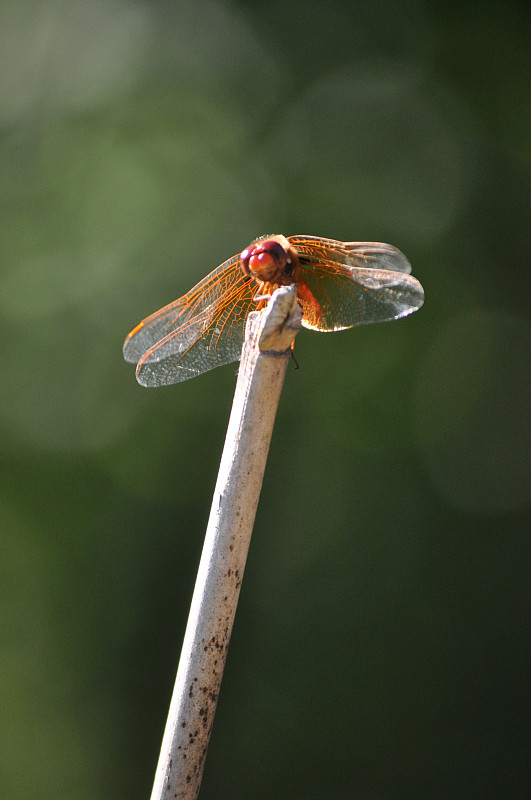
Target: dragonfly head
<point>271,259</point>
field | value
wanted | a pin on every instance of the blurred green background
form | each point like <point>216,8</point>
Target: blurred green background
<point>381,643</point>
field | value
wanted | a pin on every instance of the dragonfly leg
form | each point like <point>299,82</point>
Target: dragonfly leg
<point>293,355</point>
<point>259,297</point>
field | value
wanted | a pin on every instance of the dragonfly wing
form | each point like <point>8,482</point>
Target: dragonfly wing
<point>207,351</point>
<point>378,256</point>
<point>191,310</point>
<point>353,296</point>
<point>208,338</point>
<point>343,284</point>
<point>355,254</point>
<point>153,329</point>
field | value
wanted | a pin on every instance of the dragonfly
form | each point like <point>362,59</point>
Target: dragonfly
<point>339,285</point>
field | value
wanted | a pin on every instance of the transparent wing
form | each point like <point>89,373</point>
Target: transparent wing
<point>199,331</point>
<point>343,284</point>
<point>354,254</point>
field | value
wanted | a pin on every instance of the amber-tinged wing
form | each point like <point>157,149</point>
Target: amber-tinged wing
<point>199,331</point>
<point>343,284</point>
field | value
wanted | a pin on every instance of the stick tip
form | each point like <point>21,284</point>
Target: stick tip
<point>281,320</point>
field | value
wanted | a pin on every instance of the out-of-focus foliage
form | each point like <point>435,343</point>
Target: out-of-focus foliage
<point>380,648</point>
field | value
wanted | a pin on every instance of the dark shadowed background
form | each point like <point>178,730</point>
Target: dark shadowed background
<point>381,643</point>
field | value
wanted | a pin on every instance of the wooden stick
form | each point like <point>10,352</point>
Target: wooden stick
<point>266,352</point>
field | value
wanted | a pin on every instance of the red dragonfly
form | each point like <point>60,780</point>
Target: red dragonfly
<point>339,285</point>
